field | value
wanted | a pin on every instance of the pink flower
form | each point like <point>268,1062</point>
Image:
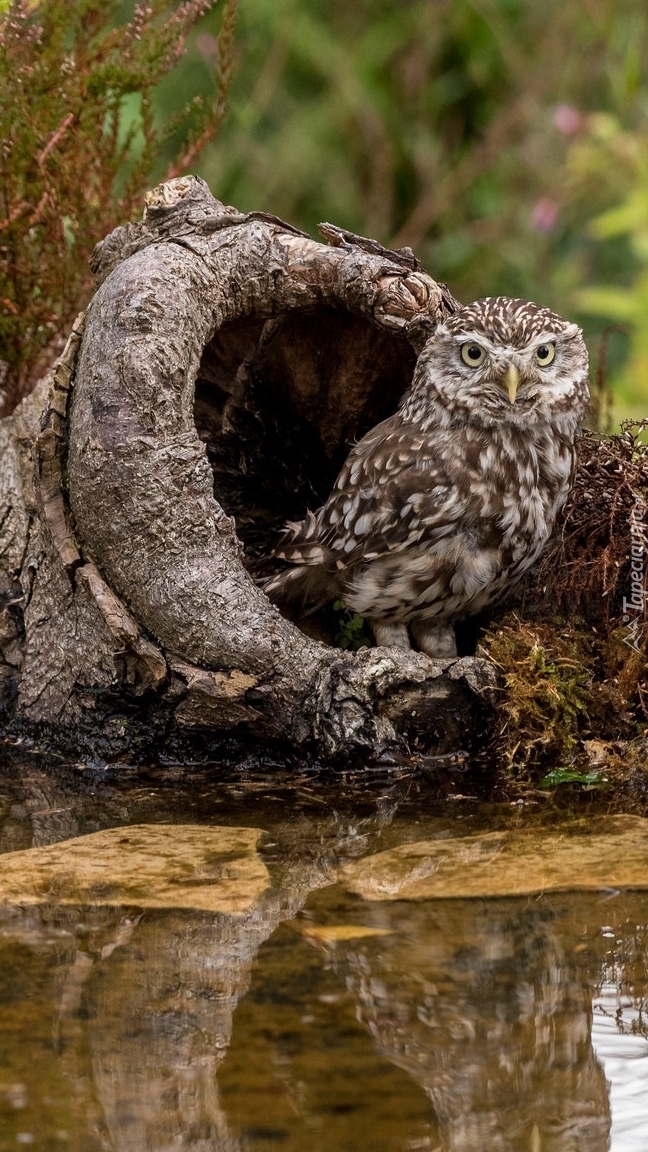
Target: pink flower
<point>207,45</point>
<point>544,214</point>
<point>567,119</point>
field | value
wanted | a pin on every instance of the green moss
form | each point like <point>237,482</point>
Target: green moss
<point>570,710</point>
<point>543,705</point>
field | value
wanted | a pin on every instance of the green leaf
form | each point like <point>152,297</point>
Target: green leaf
<point>353,632</point>
<point>616,303</point>
<point>570,776</point>
<point>626,217</point>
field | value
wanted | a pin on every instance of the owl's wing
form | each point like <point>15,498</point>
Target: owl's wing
<point>393,490</point>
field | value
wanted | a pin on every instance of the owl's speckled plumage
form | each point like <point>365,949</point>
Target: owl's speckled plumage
<point>442,507</point>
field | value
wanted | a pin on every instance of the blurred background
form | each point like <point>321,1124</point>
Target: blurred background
<point>504,141</point>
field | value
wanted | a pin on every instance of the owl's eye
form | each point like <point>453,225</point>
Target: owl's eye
<point>545,354</point>
<point>472,354</point>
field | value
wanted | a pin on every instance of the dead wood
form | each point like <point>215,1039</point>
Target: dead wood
<point>210,392</point>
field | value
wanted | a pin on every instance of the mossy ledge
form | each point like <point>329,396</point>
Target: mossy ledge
<point>571,651</point>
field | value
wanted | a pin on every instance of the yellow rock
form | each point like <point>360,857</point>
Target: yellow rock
<point>331,933</point>
<point>148,865</point>
<point>612,852</point>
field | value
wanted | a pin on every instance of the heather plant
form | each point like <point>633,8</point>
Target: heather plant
<point>81,141</point>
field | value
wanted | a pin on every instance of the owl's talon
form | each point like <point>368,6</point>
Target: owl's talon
<point>390,635</point>
<point>435,640</point>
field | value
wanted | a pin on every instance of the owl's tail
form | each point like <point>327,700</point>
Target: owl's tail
<point>311,580</point>
<point>303,584</point>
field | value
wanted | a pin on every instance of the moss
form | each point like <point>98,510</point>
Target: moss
<point>569,711</point>
<point>572,710</point>
<point>543,701</point>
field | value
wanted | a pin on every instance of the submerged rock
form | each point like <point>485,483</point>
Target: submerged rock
<point>148,865</point>
<point>612,852</point>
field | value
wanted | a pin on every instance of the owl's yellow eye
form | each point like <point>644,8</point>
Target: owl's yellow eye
<point>545,353</point>
<point>472,354</point>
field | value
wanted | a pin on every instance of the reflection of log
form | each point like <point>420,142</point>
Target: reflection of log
<point>140,1007</point>
<point>221,352</point>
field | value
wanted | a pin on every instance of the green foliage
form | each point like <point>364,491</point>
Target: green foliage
<point>589,780</point>
<point>352,630</point>
<point>504,141</point>
<point>79,142</point>
<point>571,704</point>
<point>627,224</point>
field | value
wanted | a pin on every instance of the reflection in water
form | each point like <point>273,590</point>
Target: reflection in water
<point>486,1006</point>
<point>457,1026</point>
<point>156,1024</point>
<point>140,1010</point>
<point>302,1072</point>
<point>624,1056</point>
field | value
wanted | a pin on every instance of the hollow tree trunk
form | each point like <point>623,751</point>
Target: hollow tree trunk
<point>210,392</point>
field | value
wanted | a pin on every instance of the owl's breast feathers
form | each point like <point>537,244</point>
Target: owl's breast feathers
<point>432,523</point>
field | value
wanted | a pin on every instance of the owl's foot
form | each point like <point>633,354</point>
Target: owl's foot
<point>435,640</point>
<point>390,635</point>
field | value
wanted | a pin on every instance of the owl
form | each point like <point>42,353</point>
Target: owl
<point>442,507</point>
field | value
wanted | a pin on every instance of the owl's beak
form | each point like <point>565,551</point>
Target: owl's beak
<point>512,379</point>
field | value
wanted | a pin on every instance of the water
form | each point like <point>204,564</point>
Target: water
<point>322,1014</point>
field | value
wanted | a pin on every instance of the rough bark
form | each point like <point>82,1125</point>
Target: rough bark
<point>210,392</point>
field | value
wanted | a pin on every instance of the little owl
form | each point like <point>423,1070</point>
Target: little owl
<point>442,507</point>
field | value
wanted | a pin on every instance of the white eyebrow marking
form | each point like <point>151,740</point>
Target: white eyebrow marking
<point>476,338</point>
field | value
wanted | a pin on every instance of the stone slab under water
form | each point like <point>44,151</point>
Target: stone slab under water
<point>211,869</point>
<point>612,853</point>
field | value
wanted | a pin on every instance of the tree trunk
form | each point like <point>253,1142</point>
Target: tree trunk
<point>209,393</point>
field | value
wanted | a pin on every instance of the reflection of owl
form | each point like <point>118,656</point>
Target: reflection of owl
<point>443,506</point>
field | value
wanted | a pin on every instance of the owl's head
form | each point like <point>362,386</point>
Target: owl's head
<point>503,360</point>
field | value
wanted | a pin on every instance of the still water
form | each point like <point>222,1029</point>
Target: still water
<point>317,984</point>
